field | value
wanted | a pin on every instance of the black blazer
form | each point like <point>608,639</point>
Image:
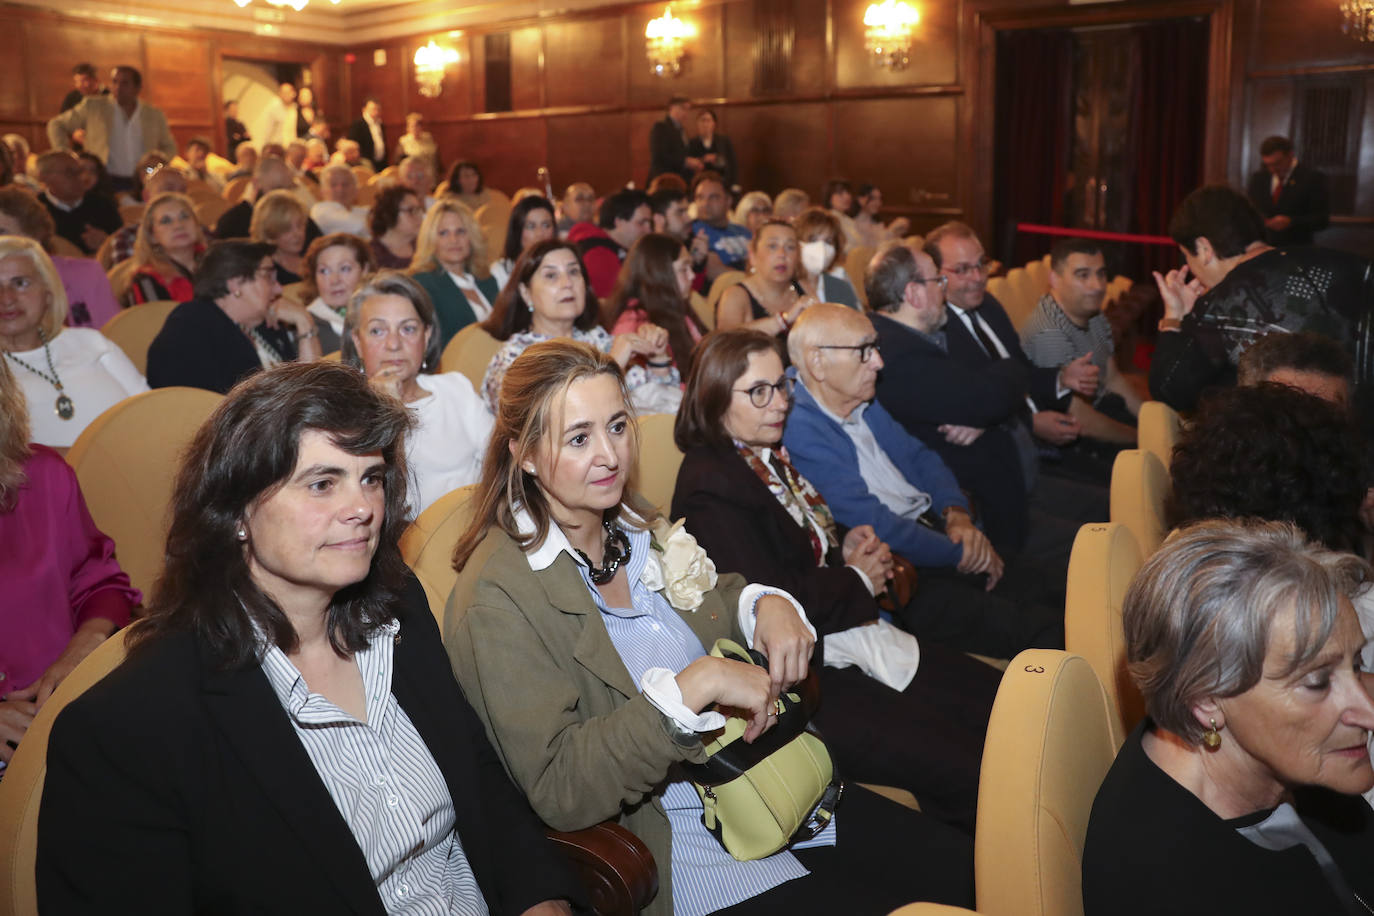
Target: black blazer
<point>1040,384</point>
<point>360,132</point>
<point>744,529</point>
<point>667,150</point>
<point>237,223</point>
<point>176,788</point>
<point>1303,199</point>
<point>199,346</point>
<point>724,150</point>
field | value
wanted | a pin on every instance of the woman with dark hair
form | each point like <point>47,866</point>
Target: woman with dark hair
<point>395,224</point>
<point>287,698</point>
<point>584,650</point>
<point>236,324</point>
<point>712,151</point>
<point>465,183</point>
<point>655,287</point>
<point>770,299</point>
<point>838,197</point>
<point>548,297</point>
<point>334,266</point>
<point>867,210</point>
<point>532,219</point>
<point>392,334</point>
<point>885,719</point>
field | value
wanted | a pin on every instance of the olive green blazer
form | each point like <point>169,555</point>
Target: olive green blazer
<point>570,725</point>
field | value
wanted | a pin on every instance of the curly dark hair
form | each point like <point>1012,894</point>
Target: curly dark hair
<point>1275,453</point>
<point>386,209</point>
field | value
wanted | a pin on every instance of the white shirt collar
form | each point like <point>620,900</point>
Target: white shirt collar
<point>543,555</point>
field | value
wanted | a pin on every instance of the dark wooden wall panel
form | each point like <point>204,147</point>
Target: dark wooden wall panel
<point>526,86</point>
<point>906,146</point>
<point>1301,33</point>
<point>701,73</point>
<point>584,62</point>
<point>14,88</point>
<point>933,55</point>
<point>592,148</point>
<point>641,122</point>
<point>49,40</point>
<point>455,98</point>
<point>781,146</point>
<point>509,150</point>
<point>177,78</point>
<point>385,83</point>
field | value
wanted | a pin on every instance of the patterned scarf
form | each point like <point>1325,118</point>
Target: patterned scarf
<point>796,495</point>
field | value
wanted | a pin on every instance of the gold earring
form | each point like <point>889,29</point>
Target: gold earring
<point>1211,737</point>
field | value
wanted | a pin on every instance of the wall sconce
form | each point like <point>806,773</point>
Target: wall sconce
<point>665,41</point>
<point>888,28</point>
<point>430,62</point>
<point>1358,18</point>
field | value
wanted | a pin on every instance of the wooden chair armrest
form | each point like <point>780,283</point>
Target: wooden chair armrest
<point>615,866</point>
<point>930,909</point>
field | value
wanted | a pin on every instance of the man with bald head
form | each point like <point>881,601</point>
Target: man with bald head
<point>872,472</point>
<point>577,206</point>
<point>272,174</point>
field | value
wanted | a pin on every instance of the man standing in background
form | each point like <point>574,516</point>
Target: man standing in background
<point>1291,197</point>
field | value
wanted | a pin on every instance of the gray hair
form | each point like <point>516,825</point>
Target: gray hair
<point>889,274</point>
<point>1198,615</point>
<point>391,283</point>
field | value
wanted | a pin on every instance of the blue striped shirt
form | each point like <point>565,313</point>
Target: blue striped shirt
<point>386,785</point>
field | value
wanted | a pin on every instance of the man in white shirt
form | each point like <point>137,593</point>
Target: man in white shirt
<point>119,128</point>
<point>281,119</point>
<point>368,133</point>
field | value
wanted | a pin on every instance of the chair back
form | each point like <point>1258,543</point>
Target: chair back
<point>367,194</point>
<point>1023,297</point>
<point>364,174</point>
<point>21,790</point>
<point>133,329</point>
<point>1038,273</point>
<point>703,310</point>
<point>856,265</point>
<point>295,292</point>
<point>1104,560</point>
<point>126,462</point>
<point>208,210</point>
<point>427,545</point>
<point>493,216</point>
<point>1050,742</point>
<point>1157,431</point>
<point>386,175</point>
<point>718,287</point>
<point>63,248</point>
<point>131,214</point>
<point>470,352</point>
<point>1140,485</point>
<point>659,460</point>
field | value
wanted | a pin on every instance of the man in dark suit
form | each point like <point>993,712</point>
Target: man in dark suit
<point>1291,197</point>
<point>367,132</point>
<point>668,142</point>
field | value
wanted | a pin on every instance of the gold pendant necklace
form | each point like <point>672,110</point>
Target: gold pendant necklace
<point>63,406</point>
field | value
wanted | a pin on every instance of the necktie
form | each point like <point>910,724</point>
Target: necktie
<point>1278,189</point>
<point>983,337</point>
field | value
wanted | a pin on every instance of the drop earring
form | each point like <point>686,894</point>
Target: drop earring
<point>1212,737</point>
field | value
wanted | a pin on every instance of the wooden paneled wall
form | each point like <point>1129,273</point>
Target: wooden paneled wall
<point>181,68</point>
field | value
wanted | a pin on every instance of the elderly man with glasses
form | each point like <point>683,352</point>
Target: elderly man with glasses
<point>872,472</point>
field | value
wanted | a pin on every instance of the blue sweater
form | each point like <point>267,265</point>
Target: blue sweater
<point>826,456</point>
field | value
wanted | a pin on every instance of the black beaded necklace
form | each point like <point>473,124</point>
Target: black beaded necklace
<point>617,552</point>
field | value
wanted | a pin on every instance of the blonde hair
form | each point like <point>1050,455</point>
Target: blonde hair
<point>789,204</point>
<point>148,252</point>
<point>747,204</point>
<point>55,316</point>
<point>273,214</point>
<point>532,393</point>
<point>427,241</point>
<point>14,437</point>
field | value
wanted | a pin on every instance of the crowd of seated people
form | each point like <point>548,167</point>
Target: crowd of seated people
<point>902,480</point>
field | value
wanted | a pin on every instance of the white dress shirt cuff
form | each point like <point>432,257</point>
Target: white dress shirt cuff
<point>660,688</point>
<point>863,577</point>
<point>748,601</point>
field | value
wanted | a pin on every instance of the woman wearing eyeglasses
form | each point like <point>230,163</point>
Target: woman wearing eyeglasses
<point>895,713</point>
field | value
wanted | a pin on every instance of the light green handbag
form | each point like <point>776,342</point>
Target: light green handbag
<point>759,798</point>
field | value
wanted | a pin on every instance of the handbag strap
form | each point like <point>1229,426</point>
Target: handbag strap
<point>820,815</point>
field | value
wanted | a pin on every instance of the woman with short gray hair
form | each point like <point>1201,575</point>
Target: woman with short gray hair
<point>1244,643</point>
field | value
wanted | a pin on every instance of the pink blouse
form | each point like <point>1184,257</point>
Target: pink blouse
<point>58,571</point>
<point>634,315</point>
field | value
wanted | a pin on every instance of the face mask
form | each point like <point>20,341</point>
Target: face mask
<point>816,256</point>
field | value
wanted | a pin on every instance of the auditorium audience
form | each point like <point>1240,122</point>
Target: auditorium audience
<point>168,245</point>
<point>906,493</point>
<point>770,299</point>
<point>728,243</point>
<point>246,158</point>
<point>450,264</point>
<point>272,174</point>
<point>821,245</point>
<point>710,151</point>
<point>547,297</point>
<point>69,376</point>
<point>64,591</point>
<point>669,209</point>
<point>279,220</point>
<point>532,219</point>
<point>395,224</point>
<point>1235,287</point>
<point>753,210</point>
<point>752,511</point>
<point>591,710</point>
<point>335,266</point>
<point>790,203</point>
<point>577,206</point>
<point>465,183</point>
<point>339,210</point>
<point>326,669</point>
<point>417,173</point>
<point>90,301</point>
<point>108,121</point>
<point>868,228</point>
<point>655,289</point>
<point>120,246</point>
<point>392,334</point>
<point>197,153</point>
<point>624,217</point>
<point>95,178</point>
<point>1239,791</point>
<point>83,219</point>
<point>237,324</point>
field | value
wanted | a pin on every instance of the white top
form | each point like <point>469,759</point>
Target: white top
<point>452,428</point>
<point>500,271</point>
<point>94,373</point>
<point>126,141</point>
<point>468,283</point>
<point>328,314</point>
<point>334,217</point>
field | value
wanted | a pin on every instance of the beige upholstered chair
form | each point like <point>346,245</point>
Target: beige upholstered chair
<point>235,189</point>
<point>126,462</point>
<point>210,209</point>
<point>493,216</point>
<point>22,788</point>
<point>1023,296</point>
<point>704,310</point>
<point>133,329</point>
<point>121,278</point>
<point>428,542</point>
<point>1050,742</point>
<point>856,265</point>
<point>470,352</point>
<point>1105,559</point>
<point>131,214</point>
<point>659,460</point>
<point>1158,428</point>
<point>1140,485</point>
<point>295,292</point>
<point>718,287</point>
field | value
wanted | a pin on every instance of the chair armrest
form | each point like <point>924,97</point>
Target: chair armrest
<point>615,866</point>
<point>931,909</point>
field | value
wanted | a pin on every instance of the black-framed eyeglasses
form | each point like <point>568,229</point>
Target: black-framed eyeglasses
<point>866,350</point>
<point>761,395</point>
